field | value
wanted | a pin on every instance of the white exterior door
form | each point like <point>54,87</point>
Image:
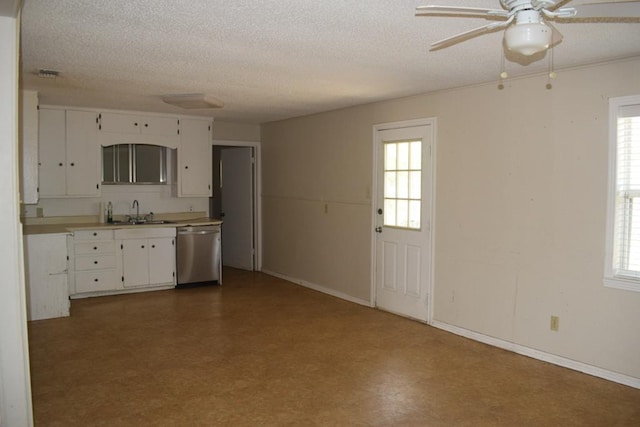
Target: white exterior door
<point>403,218</point>
<point>237,206</point>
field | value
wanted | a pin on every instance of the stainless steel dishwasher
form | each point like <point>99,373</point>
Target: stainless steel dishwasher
<point>198,254</point>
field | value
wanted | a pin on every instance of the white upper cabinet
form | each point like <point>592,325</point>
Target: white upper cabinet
<point>83,154</point>
<point>123,128</point>
<point>70,141</point>
<point>29,147</point>
<point>68,154</point>
<point>194,158</point>
<point>52,153</point>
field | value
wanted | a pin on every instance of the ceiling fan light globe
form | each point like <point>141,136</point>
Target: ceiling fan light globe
<point>528,39</point>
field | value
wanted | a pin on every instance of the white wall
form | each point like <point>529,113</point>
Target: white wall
<point>520,216</point>
<point>15,390</point>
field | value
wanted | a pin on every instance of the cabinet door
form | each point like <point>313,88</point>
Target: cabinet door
<point>161,260</point>
<point>120,123</point>
<point>52,153</point>
<point>135,262</point>
<point>159,126</point>
<point>46,269</point>
<point>83,156</point>
<point>29,147</point>
<point>194,158</point>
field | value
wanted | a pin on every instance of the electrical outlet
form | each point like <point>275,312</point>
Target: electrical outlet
<point>555,323</point>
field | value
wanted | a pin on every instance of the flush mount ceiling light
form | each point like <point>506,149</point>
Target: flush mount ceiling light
<point>193,101</point>
<point>47,74</point>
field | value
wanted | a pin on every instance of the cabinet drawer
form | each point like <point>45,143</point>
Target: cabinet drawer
<point>97,247</point>
<point>90,281</point>
<point>99,262</point>
<point>93,235</point>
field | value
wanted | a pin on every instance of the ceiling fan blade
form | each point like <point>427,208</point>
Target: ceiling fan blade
<point>455,10</point>
<point>614,10</point>
<point>440,44</point>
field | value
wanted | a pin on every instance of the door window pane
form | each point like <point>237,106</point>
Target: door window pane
<point>402,184</point>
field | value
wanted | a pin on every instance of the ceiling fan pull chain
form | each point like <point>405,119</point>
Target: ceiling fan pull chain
<point>552,73</point>
<point>503,73</point>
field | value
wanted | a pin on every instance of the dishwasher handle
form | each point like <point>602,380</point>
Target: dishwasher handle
<point>198,230</point>
<point>193,233</point>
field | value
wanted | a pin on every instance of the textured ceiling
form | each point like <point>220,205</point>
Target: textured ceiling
<point>272,59</point>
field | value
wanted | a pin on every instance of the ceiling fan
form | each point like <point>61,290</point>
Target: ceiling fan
<point>527,22</point>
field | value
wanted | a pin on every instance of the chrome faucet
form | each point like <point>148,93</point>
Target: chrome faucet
<point>137,206</point>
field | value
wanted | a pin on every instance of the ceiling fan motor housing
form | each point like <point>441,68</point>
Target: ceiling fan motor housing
<point>529,35</point>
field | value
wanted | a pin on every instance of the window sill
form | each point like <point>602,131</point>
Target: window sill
<point>624,284</point>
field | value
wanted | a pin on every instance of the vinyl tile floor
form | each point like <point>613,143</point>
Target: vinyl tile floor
<point>260,351</point>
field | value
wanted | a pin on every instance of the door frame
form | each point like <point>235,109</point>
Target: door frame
<point>257,200</point>
<point>374,203</point>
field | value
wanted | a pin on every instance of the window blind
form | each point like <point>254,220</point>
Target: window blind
<point>626,250</point>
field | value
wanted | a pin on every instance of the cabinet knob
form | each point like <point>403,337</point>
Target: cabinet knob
<point>95,262</point>
<point>73,164</point>
<point>153,246</point>
<point>186,167</point>
<point>146,125</point>
<point>95,248</point>
<point>95,234</point>
<point>95,280</point>
<point>142,246</point>
<point>135,124</point>
<point>59,164</point>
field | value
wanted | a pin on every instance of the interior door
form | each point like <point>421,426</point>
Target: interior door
<point>237,207</point>
<point>403,210</point>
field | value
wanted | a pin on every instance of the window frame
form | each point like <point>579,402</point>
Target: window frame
<point>131,165</point>
<point>611,279</point>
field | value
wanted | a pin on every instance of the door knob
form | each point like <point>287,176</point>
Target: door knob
<point>378,229</point>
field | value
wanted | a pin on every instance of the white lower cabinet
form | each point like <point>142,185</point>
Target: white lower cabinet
<point>46,270</point>
<point>121,260</point>
<point>147,256</point>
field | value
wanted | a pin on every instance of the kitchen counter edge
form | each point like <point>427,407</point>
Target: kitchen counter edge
<point>70,228</point>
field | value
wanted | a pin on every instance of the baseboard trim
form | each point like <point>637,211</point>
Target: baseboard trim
<point>541,355</point>
<point>318,288</point>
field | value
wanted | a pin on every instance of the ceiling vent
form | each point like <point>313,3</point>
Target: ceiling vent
<point>194,101</point>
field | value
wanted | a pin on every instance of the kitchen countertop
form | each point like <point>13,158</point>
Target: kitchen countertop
<point>62,228</point>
